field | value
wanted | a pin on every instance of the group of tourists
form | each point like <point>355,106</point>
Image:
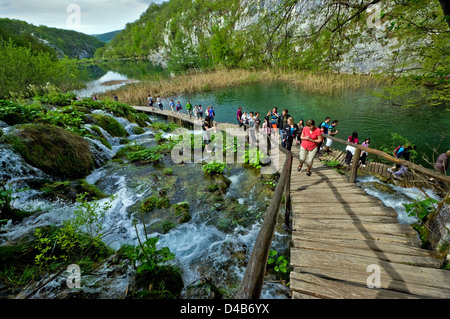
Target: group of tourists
<point>308,135</point>
<point>196,111</point>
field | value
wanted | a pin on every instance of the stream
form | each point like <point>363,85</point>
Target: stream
<point>212,244</point>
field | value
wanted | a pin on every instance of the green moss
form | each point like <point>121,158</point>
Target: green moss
<point>182,209</point>
<point>52,149</point>
<point>138,130</point>
<point>108,123</point>
<point>68,190</point>
<point>154,202</point>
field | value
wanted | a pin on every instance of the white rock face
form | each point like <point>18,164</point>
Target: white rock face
<point>374,50</point>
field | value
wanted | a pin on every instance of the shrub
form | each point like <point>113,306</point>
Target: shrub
<point>214,168</point>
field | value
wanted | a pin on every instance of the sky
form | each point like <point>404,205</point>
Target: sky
<point>86,16</point>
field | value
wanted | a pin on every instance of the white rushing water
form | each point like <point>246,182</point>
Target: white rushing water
<point>395,196</point>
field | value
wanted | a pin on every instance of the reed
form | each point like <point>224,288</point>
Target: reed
<point>323,83</point>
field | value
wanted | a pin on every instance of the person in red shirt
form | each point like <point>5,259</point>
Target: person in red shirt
<point>310,137</point>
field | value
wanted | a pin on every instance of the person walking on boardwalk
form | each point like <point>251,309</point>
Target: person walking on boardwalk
<point>150,101</point>
<point>364,154</point>
<point>332,131</point>
<point>159,102</point>
<point>211,114</point>
<point>324,128</point>
<point>195,111</point>
<point>178,107</point>
<point>189,108</point>
<point>172,105</point>
<point>311,137</point>
<point>282,122</point>
<point>351,149</point>
<point>257,121</point>
<point>200,112</point>
<point>274,116</point>
<point>405,153</point>
<point>301,125</point>
<point>289,134</point>
<point>441,165</point>
<point>239,116</point>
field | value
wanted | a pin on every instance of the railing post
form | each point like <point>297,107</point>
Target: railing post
<point>251,284</point>
<point>287,196</point>
<point>355,163</point>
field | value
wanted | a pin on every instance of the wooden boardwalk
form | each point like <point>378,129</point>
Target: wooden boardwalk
<point>342,237</point>
<point>339,233</point>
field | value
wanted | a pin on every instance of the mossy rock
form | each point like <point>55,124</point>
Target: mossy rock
<point>67,190</point>
<point>55,151</point>
<point>137,130</point>
<point>108,123</point>
<point>182,210</point>
<point>154,202</point>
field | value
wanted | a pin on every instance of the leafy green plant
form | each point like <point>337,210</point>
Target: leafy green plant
<point>279,263</point>
<point>155,277</point>
<point>421,209</point>
<point>214,168</point>
<point>78,238</point>
<point>7,198</point>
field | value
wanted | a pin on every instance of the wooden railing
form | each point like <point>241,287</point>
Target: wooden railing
<point>408,164</point>
<point>251,284</point>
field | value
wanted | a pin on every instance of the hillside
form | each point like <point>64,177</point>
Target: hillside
<point>57,42</point>
<point>368,37</point>
<point>106,37</point>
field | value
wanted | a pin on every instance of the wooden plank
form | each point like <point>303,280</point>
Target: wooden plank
<point>339,234</point>
<point>298,238</point>
<point>338,217</point>
<point>368,251</point>
<point>354,209</point>
<point>355,268</point>
<point>298,295</point>
<point>324,288</point>
<point>335,199</point>
<point>355,225</point>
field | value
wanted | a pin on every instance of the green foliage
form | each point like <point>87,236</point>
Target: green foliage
<point>182,209</point>
<point>421,209</point>
<point>165,127</point>
<point>214,168</point>
<point>279,263</point>
<point>152,155</point>
<point>155,278</point>
<point>254,157</point>
<point>13,113</point>
<point>7,199</point>
<point>80,238</point>
<point>21,69</point>
<point>154,202</point>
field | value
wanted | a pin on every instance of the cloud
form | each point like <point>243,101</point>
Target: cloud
<point>92,17</point>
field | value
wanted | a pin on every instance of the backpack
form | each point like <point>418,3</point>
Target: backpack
<point>396,151</point>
